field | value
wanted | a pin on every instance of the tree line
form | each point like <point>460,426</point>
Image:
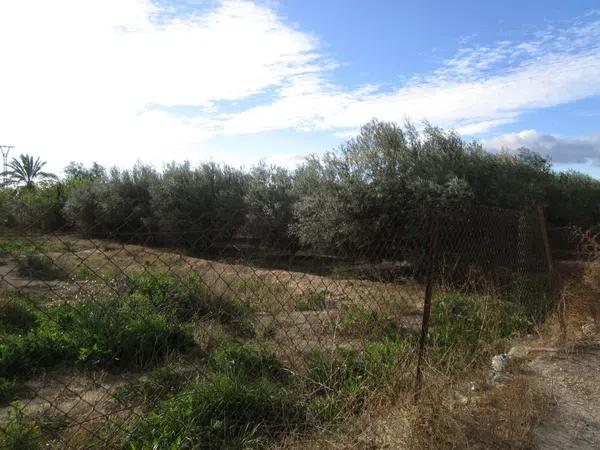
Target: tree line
<point>387,177</point>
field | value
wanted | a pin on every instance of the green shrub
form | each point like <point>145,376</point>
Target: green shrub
<point>11,390</point>
<point>111,333</point>
<point>249,363</point>
<point>39,267</point>
<point>533,295</point>
<point>341,380</point>
<point>52,421</point>
<point>20,433</point>
<point>220,411</point>
<point>313,300</point>
<point>188,298</point>
<point>153,388</point>
<point>15,247</point>
<point>14,315</point>
<point>357,321</point>
<point>466,329</point>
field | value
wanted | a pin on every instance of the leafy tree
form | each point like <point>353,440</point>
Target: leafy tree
<point>199,207</point>
<point>28,171</point>
<point>382,180</point>
<point>574,199</point>
<point>269,201</point>
<point>118,204</point>
<point>77,171</point>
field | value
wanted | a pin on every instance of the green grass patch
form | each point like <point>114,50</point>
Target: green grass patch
<point>188,299</point>
<point>40,267</point>
<point>360,322</point>
<point>16,315</point>
<point>11,390</point>
<point>114,333</point>
<point>342,380</point>
<point>313,300</point>
<point>20,433</point>
<point>153,388</point>
<point>249,362</point>
<point>467,329</point>
<point>220,411</point>
<point>16,247</point>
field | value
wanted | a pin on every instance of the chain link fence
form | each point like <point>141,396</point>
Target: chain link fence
<point>189,339</point>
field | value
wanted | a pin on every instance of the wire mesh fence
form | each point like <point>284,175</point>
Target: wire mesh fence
<point>198,338</point>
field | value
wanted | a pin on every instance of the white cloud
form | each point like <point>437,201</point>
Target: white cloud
<point>77,75</point>
<point>477,90</point>
<point>585,150</point>
<point>82,79</point>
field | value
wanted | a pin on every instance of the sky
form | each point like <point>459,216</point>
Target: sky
<point>238,81</point>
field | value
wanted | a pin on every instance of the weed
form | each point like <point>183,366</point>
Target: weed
<point>533,296</point>
<point>68,247</point>
<point>313,300</point>
<point>15,247</point>
<point>357,321</point>
<point>82,273</point>
<point>210,334</point>
<point>21,433</point>
<point>11,390</point>
<point>466,329</point>
<point>39,267</point>
<point>189,298</point>
<point>15,316</point>
<point>249,363</point>
<point>112,333</point>
<point>51,422</point>
<point>220,411</point>
<point>343,379</point>
<point>153,388</point>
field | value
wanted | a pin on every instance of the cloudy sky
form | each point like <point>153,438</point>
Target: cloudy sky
<point>116,81</point>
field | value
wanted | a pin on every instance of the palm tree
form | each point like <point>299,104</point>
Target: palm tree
<point>27,170</point>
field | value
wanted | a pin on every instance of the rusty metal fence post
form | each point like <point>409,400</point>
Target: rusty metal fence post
<point>433,241</point>
<point>547,250</point>
<point>553,276</point>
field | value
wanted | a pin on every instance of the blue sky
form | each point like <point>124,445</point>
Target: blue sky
<point>237,81</point>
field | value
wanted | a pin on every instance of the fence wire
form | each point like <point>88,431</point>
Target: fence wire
<point>190,339</point>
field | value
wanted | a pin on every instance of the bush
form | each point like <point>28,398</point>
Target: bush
<point>15,316</point>
<point>357,321</point>
<point>220,411</point>
<point>188,298</point>
<point>39,209</point>
<point>155,387</point>
<point>113,334</point>
<point>249,362</point>
<point>118,205</point>
<point>343,379</point>
<point>21,433</point>
<point>11,390</point>
<point>39,267</point>
<point>466,329</point>
<point>313,300</point>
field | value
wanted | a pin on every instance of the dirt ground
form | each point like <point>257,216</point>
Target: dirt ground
<point>572,375</point>
<point>573,381</point>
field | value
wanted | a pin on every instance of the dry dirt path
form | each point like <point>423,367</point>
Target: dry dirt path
<point>573,382</point>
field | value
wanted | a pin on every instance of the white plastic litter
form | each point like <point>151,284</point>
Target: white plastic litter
<point>499,368</point>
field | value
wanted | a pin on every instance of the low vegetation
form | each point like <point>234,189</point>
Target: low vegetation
<point>234,390</point>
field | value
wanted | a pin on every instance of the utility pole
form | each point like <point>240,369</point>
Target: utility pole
<point>5,149</point>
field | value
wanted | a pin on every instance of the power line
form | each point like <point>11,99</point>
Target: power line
<point>5,149</point>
